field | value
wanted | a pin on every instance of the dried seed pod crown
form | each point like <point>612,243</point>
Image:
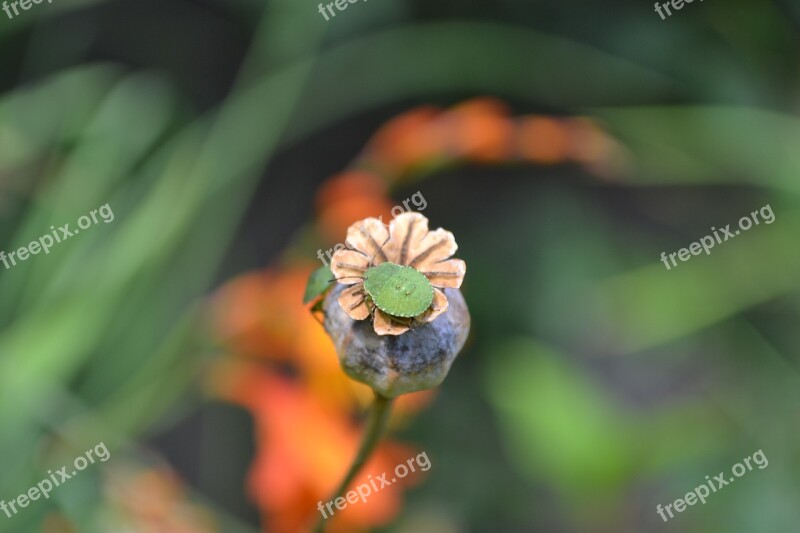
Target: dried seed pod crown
<point>396,274</point>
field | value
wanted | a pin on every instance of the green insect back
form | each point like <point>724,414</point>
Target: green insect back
<point>398,290</point>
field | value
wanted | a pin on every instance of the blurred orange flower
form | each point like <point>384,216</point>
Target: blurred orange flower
<point>270,335</point>
<point>407,141</point>
<point>304,449</point>
<point>342,186</point>
<point>347,197</point>
<point>595,149</point>
<point>153,501</point>
<point>542,140</point>
<point>479,130</point>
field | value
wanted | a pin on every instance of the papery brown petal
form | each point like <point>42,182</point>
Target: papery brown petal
<point>436,246</point>
<point>438,307</point>
<point>446,274</point>
<point>354,302</point>
<point>384,325</point>
<point>368,236</point>
<point>406,231</point>
<point>349,265</point>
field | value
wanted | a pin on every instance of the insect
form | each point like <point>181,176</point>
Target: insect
<point>397,290</point>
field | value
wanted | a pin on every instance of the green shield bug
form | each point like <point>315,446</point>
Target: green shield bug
<point>398,290</point>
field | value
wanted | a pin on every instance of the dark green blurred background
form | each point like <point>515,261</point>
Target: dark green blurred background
<point>596,385</point>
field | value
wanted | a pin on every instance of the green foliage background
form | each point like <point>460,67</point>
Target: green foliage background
<point>597,383</point>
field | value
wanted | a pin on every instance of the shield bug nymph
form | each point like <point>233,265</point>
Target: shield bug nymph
<point>397,290</point>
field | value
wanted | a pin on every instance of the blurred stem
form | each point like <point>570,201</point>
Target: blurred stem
<point>375,429</point>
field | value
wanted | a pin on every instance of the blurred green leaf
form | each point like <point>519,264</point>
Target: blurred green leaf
<point>566,430</point>
<point>561,427</point>
<point>709,144</point>
<point>651,305</point>
<point>318,282</point>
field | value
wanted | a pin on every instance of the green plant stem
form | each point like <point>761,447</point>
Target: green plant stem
<point>376,426</point>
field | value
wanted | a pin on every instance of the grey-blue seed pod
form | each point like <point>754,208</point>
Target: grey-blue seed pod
<point>392,365</point>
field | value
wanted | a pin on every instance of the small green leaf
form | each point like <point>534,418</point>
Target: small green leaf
<point>400,291</point>
<point>318,283</point>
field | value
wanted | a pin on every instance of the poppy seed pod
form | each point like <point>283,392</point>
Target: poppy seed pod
<point>392,365</point>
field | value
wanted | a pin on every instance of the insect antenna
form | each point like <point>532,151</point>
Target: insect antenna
<point>380,250</point>
<point>344,277</point>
